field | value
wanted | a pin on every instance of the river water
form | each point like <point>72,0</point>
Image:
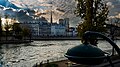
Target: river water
<point>26,55</point>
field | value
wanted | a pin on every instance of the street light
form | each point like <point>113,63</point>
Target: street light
<point>89,54</point>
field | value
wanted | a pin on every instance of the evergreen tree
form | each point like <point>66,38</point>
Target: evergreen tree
<point>93,13</point>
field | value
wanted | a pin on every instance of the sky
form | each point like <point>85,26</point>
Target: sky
<point>60,8</point>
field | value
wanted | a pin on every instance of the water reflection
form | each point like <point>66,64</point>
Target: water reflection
<point>26,55</point>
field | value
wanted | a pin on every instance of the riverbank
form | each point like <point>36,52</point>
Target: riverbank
<point>15,41</point>
<point>62,38</point>
<point>56,38</point>
<point>37,38</point>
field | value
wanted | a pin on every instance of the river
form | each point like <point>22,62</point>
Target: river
<point>26,55</point>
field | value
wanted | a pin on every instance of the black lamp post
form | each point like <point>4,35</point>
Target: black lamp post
<point>89,54</point>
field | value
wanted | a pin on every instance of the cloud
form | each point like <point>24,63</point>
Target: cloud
<point>2,7</point>
<point>110,5</point>
<point>7,8</point>
<point>116,16</point>
<point>20,14</point>
<point>61,9</point>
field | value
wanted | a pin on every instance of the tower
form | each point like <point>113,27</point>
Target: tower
<point>66,21</point>
<point>51,19</point>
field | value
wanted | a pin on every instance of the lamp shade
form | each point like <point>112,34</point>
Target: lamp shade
<point>85,54</point>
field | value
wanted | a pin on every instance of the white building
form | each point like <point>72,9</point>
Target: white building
<point>58,30</point>
<point>64,22</point>
<point>37,27</point>
<point>61,28</point>
<point>72,32</point>
<point>43,28</point>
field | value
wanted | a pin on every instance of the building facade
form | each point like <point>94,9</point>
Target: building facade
<point>43,28</point>
<point>58,30</point>
<point>33,27</point>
